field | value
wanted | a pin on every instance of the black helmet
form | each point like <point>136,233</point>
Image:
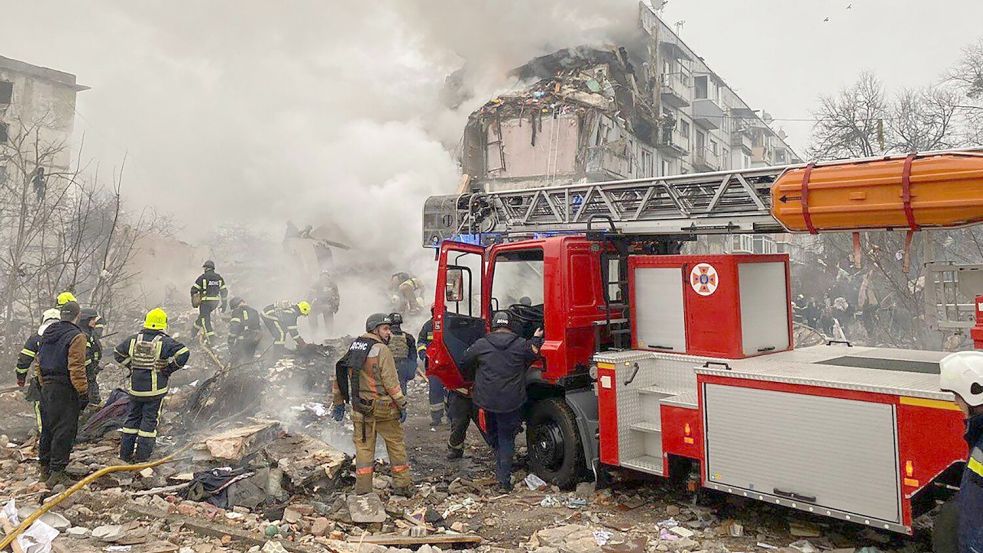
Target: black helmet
<point>376,320</point>
<point>395,319</point>
<point>236,302</point>
<point>209,264</point>
<point>501,319</point>
<point>88,314</point>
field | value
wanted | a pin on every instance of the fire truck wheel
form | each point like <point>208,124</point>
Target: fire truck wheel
<point>555,451</point>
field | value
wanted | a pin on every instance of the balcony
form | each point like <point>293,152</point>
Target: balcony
<point>707,114</point>
<point>673,143</point>
<point>706,160</point>
<point>741,139</point>
<point>675,90</point>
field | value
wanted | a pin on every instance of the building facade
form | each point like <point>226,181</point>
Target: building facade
<point>41,102</point>
<point>592,114</point>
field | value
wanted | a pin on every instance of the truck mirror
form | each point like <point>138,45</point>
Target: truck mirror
<point>455,285</point>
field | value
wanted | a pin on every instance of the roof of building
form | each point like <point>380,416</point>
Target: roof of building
<point>53,75</point>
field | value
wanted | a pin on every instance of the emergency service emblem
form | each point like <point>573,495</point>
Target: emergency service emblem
<point>703,278</point>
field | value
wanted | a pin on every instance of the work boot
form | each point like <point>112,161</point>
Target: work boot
<point>403,491</point>
<point>59,478</point>
<point>44,473</point>
<point>506,487</point>
<point>453,454</point>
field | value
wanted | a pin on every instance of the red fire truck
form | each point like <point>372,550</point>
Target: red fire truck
<point>671,364</point>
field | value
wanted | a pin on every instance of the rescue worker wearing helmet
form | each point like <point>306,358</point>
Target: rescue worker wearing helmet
<point>407,293</point>
<point>403,347</point>
<point>962,374</point>
<point>91,324</point>
<point>244,331</point>
<point>64,298</point>
<point>366,378</point>
<point>325,301</point>
<point>28,357</point>
<point>436,392</point>
<point>281,320</point>
<point>152,357</point>
<point>208,293</point>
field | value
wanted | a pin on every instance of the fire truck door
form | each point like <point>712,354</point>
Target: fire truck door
<point>458,308</point>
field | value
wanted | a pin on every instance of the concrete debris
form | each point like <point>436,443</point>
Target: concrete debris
<point>235,444</point>
<point>366,509</point>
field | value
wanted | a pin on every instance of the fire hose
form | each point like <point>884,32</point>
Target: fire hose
<point>26,523</point>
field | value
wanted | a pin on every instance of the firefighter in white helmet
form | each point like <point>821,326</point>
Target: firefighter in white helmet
<point>962,374</point>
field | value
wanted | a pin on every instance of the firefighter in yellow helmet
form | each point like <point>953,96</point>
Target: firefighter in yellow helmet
<point>366,378</point>
<point>280,319</point>
<point>151,357</point>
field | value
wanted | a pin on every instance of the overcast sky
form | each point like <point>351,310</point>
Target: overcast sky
<point>263,111</point>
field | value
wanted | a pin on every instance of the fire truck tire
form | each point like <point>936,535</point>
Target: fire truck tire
<point>555,451</point>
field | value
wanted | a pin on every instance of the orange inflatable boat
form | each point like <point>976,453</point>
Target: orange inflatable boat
<point>919,190</point>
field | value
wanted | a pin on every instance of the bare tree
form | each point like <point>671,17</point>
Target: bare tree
<point>923,120</point>
<point>850,124</point>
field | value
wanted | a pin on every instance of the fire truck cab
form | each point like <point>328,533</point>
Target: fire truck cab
<point>674,365</point>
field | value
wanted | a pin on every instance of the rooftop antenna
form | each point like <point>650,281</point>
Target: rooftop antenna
<point>679,26</point>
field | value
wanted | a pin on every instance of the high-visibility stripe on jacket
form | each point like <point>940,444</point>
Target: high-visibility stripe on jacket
<point>149,374</point>
<point>211,286</point>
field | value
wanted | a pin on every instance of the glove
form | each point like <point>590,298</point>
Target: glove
<point>402,416</point>
<point>338,413</point>
<point>21,381</point>
<point>83,402</point>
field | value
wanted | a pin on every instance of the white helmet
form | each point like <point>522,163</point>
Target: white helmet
<point>52,314</point>
<point>962,374</point>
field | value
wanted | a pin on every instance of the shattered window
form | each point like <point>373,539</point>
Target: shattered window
<point>6,92</point>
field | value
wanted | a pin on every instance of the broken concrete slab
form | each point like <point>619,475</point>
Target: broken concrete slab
<point>366,509</point>
<point>235,444</point>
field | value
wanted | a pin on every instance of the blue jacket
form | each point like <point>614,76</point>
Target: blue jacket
<point>971,491</point>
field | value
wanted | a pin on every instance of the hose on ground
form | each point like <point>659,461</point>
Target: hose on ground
<point>27,522</point>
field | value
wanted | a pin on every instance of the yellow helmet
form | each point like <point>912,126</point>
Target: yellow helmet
<point>305,308</point>
<point>65,297</point>
<point>156,319</point>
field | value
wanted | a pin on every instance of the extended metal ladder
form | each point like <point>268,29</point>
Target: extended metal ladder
<point>706,203</point>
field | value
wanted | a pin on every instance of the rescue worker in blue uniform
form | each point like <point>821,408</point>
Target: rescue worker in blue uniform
<point>27,357</point>
<point>91,324</point>
<point>244,331</point>
<point>151,357</point>
<point>281,320</point>
<point>403,347</point>
<point>64,392</point>
<point>208,293</point>
<point>436,392</point>
<point>962,374</point>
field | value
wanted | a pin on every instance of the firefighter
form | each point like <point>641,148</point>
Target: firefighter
<point>366,378</point>
<point>502,358</point>
<point>27,357</point>
<point>151,357</point>
<point>208,293</point>
<point>244,331</point>
<point>325,302</point>
<point>64,392</point>
<point>91,324</point>
<point>407,293</point>
<point>436,392</point>
<point>281,320</point>
<point>962,374</point>
<point>403,347</point>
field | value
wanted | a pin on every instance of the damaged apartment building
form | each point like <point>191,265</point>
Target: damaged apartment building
<point>651,108</point>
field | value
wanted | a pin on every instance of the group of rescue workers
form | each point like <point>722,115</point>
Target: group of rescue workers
<point>371,377</point>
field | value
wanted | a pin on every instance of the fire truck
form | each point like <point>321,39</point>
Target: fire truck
<point>676,365</point>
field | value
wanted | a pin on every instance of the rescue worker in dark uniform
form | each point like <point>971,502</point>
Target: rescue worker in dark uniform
<point>91,324</point>
<point>502,359</point>
<point>27,357</point>
<point>962,374</point>
<point>403,347</point>
<point>281,320</point>
<point>151,357</point>
<point>366,378</point>
<point>64,392</point>
<point>436,392</point>
<point>325,302</point>
<point>208,293</point>
<point>244,331</point>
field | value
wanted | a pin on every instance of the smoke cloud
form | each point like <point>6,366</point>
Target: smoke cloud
<point>256,113</point>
